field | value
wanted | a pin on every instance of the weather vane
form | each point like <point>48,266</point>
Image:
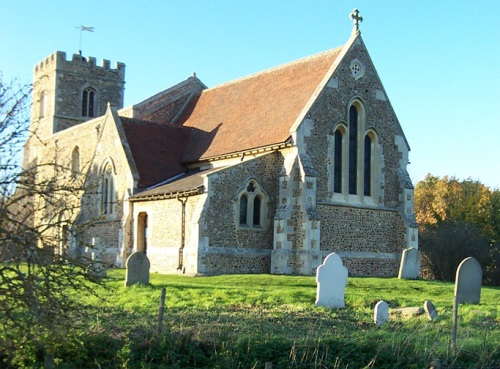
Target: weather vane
<point>83,28</point>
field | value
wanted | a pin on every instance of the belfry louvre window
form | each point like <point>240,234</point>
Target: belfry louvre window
<point>88,103</point>
<point>251,206</point>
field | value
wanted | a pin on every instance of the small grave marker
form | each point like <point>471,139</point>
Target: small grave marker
<point>430,310</point>
<point>381,313</point>
<point>467,289</point>
<point>331,279</point>
<point>137,269</point>
<point>410,264</point>
<point>468,281</point>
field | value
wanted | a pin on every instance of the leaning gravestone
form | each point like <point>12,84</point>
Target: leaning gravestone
<point>381,313</point>
<point>410,264</point>
<point>468,281</point>
<point>430,310</point>
<point>331,279</point>
<point>137,269</point>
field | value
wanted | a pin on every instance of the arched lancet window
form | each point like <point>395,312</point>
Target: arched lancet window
<point>89,102</point>
<point>107,190</point>
<point>75,161</point>
<point>256,210</point>
<point>337,161</point>
<point>367,169</point>
<point>43,104</point>
<point>353,150</point>
<point>354,157</point>
<point>243,209</point>
<point>252,206</point>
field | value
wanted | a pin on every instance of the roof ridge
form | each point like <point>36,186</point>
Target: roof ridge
<point>276,68</point>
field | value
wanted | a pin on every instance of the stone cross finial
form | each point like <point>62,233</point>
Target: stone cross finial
<point>357,19</point>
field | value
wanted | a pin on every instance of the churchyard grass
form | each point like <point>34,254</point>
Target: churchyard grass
<point>244,321</point>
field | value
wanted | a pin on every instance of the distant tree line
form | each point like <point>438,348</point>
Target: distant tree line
<point>457,219</point>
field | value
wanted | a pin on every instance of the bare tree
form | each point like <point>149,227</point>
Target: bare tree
<point>39,206</point>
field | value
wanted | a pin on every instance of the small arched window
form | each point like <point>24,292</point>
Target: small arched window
<point>107,190</point>
<point>75,161</point>
<point>43,105</point>
<point>89,102</point>
<point>243,209</point>
<point>251,206</point>
<point>367,175</point>
<point>256,210</point>
<point>337,161</point>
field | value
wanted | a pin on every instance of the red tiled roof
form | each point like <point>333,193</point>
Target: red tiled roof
<point>157,149</point>
<point>254,111</point>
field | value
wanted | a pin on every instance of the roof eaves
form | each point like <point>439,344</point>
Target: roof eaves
<point>169,195</point>
<point>251,151</point>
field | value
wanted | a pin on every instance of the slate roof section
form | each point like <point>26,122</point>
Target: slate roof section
<point>157,149</point>
<point>255,111</point>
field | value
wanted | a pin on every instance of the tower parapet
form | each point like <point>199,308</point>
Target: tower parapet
<point>69,92</point>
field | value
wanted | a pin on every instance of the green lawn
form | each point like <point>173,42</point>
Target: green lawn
<point>244,321</point>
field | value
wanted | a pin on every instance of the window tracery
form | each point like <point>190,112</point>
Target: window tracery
<point>252,206</point>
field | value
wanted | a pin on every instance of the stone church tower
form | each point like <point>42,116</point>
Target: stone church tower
<point>69,92</point>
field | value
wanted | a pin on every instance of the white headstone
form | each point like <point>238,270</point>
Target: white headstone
<point>137,269</point>
<point>468,281</point>
<point>331,278</point>
<point>381,313</point>
<point>430,310</point>
<point>410,264</point>
<point>96,267</point>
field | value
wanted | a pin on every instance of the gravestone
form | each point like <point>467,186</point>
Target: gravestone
<point>331,278</point>
<point>408,311</point>
<point>381,313</point>
<point>430,310</point>
<point>137,269</point>
<point>96,269</point>
<point>410,264</point>
<point>468,281</point>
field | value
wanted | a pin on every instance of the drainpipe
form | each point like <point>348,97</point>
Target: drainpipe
<point>183,232</point>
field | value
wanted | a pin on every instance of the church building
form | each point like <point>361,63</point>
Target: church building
<point>268,173</point>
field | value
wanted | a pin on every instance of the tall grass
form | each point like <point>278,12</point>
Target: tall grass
<point>245,321</point>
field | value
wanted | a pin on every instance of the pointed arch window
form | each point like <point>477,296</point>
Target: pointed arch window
<point>43,105</point>
<point>338,139</point>
<point>75,161</point>
<point>89,102</point>
<point>243,209</point>
<point>107,190</point>
<point>367,168</point>
<point>354,158</point>
<point>353,150</point>
<point>252,206</point>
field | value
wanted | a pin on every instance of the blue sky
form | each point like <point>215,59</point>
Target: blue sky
<point>439,60</point>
